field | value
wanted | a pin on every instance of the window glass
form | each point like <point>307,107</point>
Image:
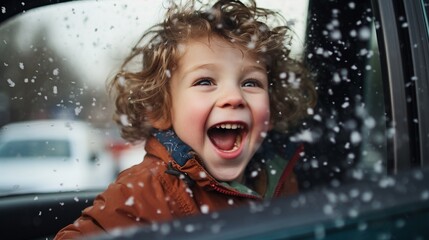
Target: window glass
<point>55,62</point>
<point>36,149</point>
<point>349,125</point>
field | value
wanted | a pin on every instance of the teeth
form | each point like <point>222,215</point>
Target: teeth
<point>230,126</point>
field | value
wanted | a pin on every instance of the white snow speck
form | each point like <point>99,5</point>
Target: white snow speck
<point>55,89</point>
<point>336,78</point>
<point>328,209</point>
<point>190,228</point>
<point>124,120</point>
<point>335,35</point>
<point>165,229</point>
<point>130,201</point>
<point>203,174</point>
<point>77,110</point>
<point>366,196</point>
<point>188,190</point>
<point>353,213</point>
<point>56,72</point>
<point>364,33</point>
<point>251,45</point>
<point>121,81</point>
<point>21,65</point>
<point>204,209</point>
<point>369,122</point>
<point>168,73</point>
<point>355,137</point>
<point>305,136</point>
<point>11,83</point>
<point>386,182</point>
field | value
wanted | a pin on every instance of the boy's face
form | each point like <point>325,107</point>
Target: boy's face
<point>220,105</point>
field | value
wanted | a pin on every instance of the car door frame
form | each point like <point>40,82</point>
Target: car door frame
<point>405,60</point>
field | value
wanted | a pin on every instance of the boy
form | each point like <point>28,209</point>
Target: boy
<point>214,88</point>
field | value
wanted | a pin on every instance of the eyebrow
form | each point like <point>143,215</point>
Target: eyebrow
<point>211,66</point>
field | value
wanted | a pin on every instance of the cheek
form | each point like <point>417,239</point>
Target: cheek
<point>189,111</point>
<point>262,114</point>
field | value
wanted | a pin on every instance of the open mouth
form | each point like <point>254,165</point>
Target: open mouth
<point>227,136</point>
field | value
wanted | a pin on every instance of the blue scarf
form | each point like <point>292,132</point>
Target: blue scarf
<point>178,150</point>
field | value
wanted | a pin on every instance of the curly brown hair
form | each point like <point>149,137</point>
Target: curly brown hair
<point>141,87</point>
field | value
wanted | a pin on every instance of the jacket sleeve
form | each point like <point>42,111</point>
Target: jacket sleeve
<point>140,195</point>
<point>112,208</point>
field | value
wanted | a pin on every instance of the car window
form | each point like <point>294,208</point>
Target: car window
<point>56,66</point>
<point>55,61</point>
<point>350,130</point>
<point>37,149</point>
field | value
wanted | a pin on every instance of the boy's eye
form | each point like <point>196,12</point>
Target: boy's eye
<point>252,83</point>
<point>203,82</point>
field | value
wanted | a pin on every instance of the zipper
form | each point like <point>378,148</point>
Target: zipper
<point>288,170</point>
<point>223,190</point>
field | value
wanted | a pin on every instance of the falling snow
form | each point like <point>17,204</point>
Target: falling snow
<point>11,83</point>
<point>204,209</point>
<point>129,201</point>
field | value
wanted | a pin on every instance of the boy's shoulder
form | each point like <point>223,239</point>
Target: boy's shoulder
<point>151,167</point>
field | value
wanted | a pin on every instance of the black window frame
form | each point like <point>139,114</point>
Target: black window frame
<point>405,68</point>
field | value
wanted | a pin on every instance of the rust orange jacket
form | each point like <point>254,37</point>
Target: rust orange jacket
<point>160,189</point>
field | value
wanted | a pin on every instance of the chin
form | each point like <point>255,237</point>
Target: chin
<point>228,177</point>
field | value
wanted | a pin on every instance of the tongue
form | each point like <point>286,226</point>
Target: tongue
<point>223,139</point>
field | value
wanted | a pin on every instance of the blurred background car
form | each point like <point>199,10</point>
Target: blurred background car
<point>52,156</point>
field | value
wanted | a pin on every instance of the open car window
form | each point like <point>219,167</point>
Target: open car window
<point>56,61</point>
<point>369,124</point>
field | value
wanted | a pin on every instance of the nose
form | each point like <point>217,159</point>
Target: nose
<point>231,97</point>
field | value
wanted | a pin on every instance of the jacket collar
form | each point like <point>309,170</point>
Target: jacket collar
<point>178,150</point>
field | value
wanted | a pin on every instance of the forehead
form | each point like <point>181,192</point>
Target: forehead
<point>212,48</point>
